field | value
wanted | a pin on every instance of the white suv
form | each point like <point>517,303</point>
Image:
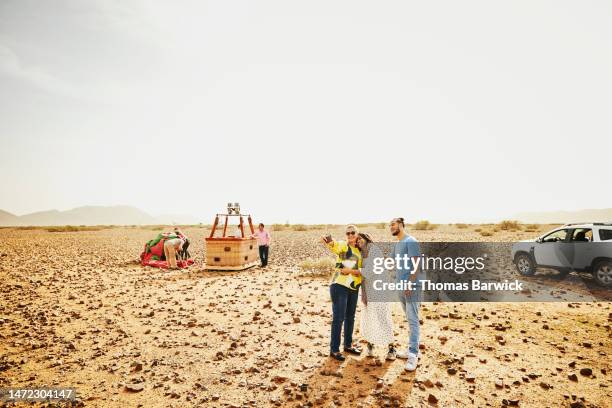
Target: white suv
<point>583,247</point>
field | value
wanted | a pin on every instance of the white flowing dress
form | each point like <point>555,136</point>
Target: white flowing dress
<point>376,323</point>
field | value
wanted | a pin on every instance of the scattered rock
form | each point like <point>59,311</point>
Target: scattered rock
<point>545,386</point>
<point>134,387</point>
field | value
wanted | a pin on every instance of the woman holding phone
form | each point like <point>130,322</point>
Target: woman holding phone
<point>344,291</point>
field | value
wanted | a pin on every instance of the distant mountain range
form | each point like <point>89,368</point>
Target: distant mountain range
<point>93,215</point>
<point>562,217</point>
<point>126,215</point>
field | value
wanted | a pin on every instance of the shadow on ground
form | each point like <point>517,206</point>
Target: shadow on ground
<point>353,383</point>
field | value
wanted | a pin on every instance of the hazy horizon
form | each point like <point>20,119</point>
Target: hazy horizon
<point>319,112</point>
<point>121,218</point>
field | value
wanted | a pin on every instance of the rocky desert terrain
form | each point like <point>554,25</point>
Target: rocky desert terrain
<point>78,310</point>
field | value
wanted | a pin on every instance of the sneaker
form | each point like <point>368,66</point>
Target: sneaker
<point>402,354</point>
<point>412,362</point>
<point>391,354</point>
<point>338,356</point>
<point>370,350</point>
<point>353,350</point>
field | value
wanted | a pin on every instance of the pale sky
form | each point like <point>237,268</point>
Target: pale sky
<point>313,112</point>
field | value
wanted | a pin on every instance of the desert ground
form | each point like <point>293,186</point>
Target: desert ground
<point>78,310</point>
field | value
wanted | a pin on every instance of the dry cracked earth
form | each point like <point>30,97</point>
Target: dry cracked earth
<point>78,310</point>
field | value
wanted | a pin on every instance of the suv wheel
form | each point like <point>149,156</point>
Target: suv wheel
<point>524,265</point>
<point>603,273</point>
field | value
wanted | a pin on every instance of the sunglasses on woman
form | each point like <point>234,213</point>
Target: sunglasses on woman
<point>350,233</point>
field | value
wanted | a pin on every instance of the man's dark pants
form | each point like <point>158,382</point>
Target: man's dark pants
<point>263,254</point>
<point>344,304</point>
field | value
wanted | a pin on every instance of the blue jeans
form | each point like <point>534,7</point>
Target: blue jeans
<point>263,254</point>
<point>411,309</point>
<point>344,304</point>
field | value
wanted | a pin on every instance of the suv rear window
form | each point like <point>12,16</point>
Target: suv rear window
<point>605,234</point>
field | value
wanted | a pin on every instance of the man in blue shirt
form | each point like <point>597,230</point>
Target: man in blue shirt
<point>405,250</point>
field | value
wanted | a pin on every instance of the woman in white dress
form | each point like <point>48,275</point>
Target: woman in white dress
<point>376,321</point>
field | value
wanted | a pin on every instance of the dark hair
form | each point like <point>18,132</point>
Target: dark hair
<point>261,224</point>
<point>399,220</point>
<point>366,236</point>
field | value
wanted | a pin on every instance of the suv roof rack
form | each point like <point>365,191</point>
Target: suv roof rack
<point>584,223</point>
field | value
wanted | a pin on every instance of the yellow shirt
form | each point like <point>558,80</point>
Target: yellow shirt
<point>343,252</point>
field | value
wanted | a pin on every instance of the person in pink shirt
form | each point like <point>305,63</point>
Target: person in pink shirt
<point>263,241</point>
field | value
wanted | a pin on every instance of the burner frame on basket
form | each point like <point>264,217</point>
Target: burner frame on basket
<point>231,253</point>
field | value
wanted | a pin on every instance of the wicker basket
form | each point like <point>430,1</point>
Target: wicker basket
<point>231,254</point>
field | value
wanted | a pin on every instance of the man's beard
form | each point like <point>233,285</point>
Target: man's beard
<point>395,233</point>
